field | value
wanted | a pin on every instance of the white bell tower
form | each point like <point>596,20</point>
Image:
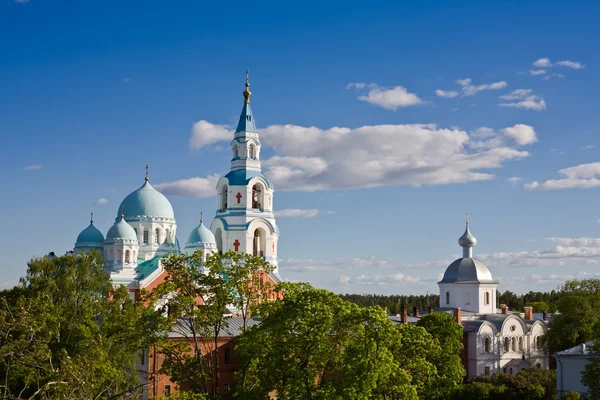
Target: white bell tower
<point>244,221</point>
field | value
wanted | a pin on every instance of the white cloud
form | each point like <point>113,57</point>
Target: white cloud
<point>514,180</point>
<point>192,187</point>
<point>204,134</point>
<point>468,89</point>
<point>33,167</point>
<point>584,176</point>
<point>101,201</point>
<point>588,147</point>
<point>388,98</point>
<point>542,63</point>
<point>535,72</point>
<point>448,94</point>
<point>311,158</point>
<point>571,64</point>
<point>526,99</point>
<point>296,213</point>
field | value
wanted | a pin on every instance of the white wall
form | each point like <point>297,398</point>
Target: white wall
<point>568,374</point>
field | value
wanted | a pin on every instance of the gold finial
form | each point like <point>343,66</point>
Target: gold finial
<point>91,218</point>
<point>201,219</point>
<point>247,93</point>
<point>467,218</point>
<point>122,212</point>
<point>146,178</point>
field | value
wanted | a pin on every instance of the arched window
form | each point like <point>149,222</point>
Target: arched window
<point>538,342</point>
<point>514,344</point>
<point>167,233</point>
<point>258,248</point>
<point>219,240</point>
<point>521,343</point>
<point>146,236</point>
<point>256,196</point>
<point>506,345</point>
<point>447,297</point>
<point>252,151</point>
<point>127,256</point>
<point>487,298</point>
<point>157,236</point>
<point>486,345</point>
<point>235,151</point>
<point>224,198</point>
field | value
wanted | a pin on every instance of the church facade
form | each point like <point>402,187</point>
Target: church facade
<point>145,229</point>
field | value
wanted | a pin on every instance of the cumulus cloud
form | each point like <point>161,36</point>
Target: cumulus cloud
<point>312,158</point>
<point>192,187</point>
<point>545,63</point>
<point>524,98</point>
<point>101,201</point>
<point>583,176</point>
<point>204,134</point>
<point>448,94</point>
<point>468,89</point>
<point>388,98</point>
<point>514,180</point>
<point>32,167</point>
<point>536,72</point>
<point>296,213</point>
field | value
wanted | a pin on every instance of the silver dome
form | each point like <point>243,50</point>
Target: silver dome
<point>467,240</point>
<point>468,270</point>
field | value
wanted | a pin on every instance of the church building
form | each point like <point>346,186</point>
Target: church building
<point>145,229</point>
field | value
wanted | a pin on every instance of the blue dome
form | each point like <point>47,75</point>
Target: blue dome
<point>201,234</point>
<point>89,235</point>
<point>121,230</point>
<point>146,201</point>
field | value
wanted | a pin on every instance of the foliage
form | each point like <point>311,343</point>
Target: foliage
<point>193,299</point>
<point>63,336</point>
<point>311,344</point>
<point>529,384</point>
<point>578,320</point>
<point>446,354</point>
<point>590,376</point>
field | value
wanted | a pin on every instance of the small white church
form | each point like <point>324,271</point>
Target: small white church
<point>495,340</point>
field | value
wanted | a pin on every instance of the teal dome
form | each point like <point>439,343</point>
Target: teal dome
<point>90,235</point>
<point>201,234</point>
<point>146,201</point>
<point>121,230</point>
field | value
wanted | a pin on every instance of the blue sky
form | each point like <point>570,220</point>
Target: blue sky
<point>381,122</point>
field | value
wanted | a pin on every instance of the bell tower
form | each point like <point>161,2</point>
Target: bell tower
<point>244,221</point>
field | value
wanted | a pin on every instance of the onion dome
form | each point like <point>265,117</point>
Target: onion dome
<point>200,235</point>
<point>468,270</point>
<point>147,202</point>
<point>121,231</point>
<point>90,235</point>
<point>467,240</point>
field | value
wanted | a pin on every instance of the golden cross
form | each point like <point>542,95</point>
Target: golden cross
<point>146,172</point>
<point>247,73</point>
<point>467,218</point>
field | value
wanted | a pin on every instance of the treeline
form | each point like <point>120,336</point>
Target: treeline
<point>540,301</point>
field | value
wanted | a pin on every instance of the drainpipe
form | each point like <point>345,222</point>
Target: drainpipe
<point>561,377</point>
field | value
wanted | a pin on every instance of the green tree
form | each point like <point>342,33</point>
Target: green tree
<point>578,320</point>
<point>63,336</point>
<point>193,299</point>
<point>446,354</point>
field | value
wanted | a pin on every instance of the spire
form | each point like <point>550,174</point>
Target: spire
<point>91,218</point>
<point>467,241</point>
<point>246,123</point>
<point>201,219</point>
<point>146,178</point>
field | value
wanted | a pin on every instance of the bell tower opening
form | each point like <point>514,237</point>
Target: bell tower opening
<point>258,244</point>
<point>235,151</point>
<point>224,198</point>
<point>252,151</point>
<point>256,196</point>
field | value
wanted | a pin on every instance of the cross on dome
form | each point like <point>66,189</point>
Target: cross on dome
<point>146,178</point>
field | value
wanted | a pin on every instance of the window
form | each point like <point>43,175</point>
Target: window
<point>146,234</point>
<point>506,344</point>
<point>127,254</point>
<point>252,151</point>
<point>538,342</point>
<point>226,388</point>
<point>538,366</point>
<point>135,230</point>
<point>486,345</point>
<point>504,370</point>
<point>167,234</point>
<point>256,196</point>
<point>167,391</point>
<point>447,297</point>
<point>510,371</point>
<point>235,151</point>
<point>521,343</point>
<point>258,248</point>
<point>157,236</point>
<point>514,344</point>
<point>227,355</point>
<point>224,198</point>
<point>486,371</point>
<point>487,298</point>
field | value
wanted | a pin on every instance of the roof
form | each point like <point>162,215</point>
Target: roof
<point>581,350</point>
<point>234,328</point>
<point>517,363</point>
<point>246,123</point>
<point>121,230</point>
<point>241,177</point>
<point>90,235</point>
<point>147,267</point>
<point>200,234</point>
<point>396,318</point>
<point>146,202</point>
<point>468,270</point>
